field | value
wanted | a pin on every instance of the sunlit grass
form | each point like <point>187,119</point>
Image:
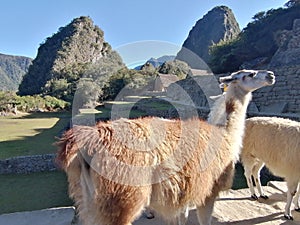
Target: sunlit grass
<point>17,129</point>
<point>89,111</point>
<point>36,133</point>
<point>32,134</point>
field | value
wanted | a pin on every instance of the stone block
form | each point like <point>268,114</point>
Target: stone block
<point>277,107</point>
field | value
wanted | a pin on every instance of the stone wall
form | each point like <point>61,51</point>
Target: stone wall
<point>195,90</point>
<point>284,95</point>
<point>171,109</point>
<point>28,164</point>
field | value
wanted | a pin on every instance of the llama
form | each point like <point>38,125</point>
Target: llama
<point>274,142</point>
<point>117,168</point>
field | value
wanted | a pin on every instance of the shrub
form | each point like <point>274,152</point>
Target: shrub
<point>9,101</point>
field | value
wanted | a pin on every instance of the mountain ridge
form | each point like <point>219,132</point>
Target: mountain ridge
<point>12,69</point>
<point>219,24</point>
<point>64,58</point>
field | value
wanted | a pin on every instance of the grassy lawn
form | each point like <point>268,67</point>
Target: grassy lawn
<point>34,191</point>
<point>35,133</point>
<point>31,134</point>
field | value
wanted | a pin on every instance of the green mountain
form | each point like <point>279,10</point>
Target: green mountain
<point>257,43</point>
<point>66,57</point>
<point>219,24</point>
<point>12,69</point>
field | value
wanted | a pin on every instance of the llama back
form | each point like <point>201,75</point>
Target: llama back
<point>105,137</point>
<point>109,150</point>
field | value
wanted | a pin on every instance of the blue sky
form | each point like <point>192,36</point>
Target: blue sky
<point>26,24</point>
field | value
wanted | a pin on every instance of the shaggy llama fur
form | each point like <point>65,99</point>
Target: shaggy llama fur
<point>274,142</point>
<point>117,168</point>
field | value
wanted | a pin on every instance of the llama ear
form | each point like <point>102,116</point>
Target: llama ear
<point>216,97</point>
<point>226,80</point>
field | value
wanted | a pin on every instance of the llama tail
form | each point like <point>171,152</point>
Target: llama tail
<point>67,149</point>
<point>79,139</point>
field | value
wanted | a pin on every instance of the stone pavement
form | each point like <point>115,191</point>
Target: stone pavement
<point>53,216</point>
<point>233,207</point>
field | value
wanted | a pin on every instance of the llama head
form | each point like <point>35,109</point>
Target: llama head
<point>249,80</point>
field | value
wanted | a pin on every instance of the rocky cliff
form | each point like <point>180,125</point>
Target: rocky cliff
<point>12,69</point>
<point>219,24</point>
<point>284,95</point>
<point>64,57</point>
<point>289,47</point>
<point>256,44</point>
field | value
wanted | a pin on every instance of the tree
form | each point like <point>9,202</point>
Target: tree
<point>223,57</point>
<point>56,87</point>
<point>292,3</point>
<point>86,95</point>
<point>127,82</point>
<point>259,16</point>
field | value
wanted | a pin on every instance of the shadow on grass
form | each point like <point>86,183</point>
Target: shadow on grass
<point>42,140</point>
<point>39,143</point>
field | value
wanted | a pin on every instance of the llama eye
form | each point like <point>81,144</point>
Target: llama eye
<point>251,75</point>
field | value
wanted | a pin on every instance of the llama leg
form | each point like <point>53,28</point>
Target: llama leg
<point>256,174</point>
<point>248,175</point>
<point>183,217</point>
<point>296,199</point>
<point>292,190</point>
<point>204,212</point>
<point>119,205</point>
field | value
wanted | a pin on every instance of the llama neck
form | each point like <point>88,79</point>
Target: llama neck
<point>236,103</point>
<point>230,105</point>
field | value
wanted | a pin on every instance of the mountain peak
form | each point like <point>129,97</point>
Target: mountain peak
<point>219,24</point>
<point>64,56</point>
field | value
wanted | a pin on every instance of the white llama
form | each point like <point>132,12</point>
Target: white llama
<point>274,142</point>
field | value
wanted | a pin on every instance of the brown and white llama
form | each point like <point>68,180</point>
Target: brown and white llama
<point>117,168</point>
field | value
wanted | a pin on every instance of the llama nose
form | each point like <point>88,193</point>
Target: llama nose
<point>270,76</point>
